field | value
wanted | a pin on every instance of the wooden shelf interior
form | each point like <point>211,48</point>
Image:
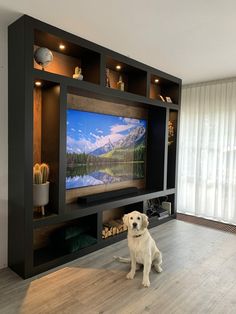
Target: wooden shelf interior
<point>65,61</point>
<point>118,213</point>
<point>158,202</point>
<point>169,198</point>
<point>46,123</point>
<point>172,145</point>
<point>112,219</point>
<point>164,88</point>
<point>135,80</point>
<point>52,241</point>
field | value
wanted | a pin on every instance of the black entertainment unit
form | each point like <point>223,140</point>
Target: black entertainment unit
<point>37,134</point>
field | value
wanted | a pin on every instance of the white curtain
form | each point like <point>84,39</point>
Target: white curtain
<point>207,151</point>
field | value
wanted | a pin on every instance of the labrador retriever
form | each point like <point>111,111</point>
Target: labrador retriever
<point>143,249</point>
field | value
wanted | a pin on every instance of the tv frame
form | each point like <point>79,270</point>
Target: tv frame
<point>118,116</point>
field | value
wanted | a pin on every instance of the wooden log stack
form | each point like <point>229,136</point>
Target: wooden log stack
<point>112,228</point>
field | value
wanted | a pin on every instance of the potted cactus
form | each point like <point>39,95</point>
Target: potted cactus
<point>40,186</point>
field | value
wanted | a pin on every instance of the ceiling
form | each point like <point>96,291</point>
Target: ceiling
<point>193,40</point>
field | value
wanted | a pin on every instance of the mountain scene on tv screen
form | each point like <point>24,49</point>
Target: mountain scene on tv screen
<point>103,149</point>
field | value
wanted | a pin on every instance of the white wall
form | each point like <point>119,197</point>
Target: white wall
<point>3,146</point>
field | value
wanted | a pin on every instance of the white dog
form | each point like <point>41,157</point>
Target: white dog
<point>143,249</point>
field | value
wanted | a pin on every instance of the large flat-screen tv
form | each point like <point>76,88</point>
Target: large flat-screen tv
<point>104,149</point>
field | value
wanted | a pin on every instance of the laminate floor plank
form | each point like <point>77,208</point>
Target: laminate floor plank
<point>199,276</point>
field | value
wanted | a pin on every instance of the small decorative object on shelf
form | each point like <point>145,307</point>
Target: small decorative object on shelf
<point>108,84</point>
<point>171,132</point>
<point>43,56</point>
<point>162,98</point>
<point>112,228</point>
<point>168,99</point>
<point>41,186</point>
<point>166,206</point>
<point>121,84</point>
<point>78,74</point>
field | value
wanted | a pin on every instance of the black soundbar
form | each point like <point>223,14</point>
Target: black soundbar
<point>106,195</point>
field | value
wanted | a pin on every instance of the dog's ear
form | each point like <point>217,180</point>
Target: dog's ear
<point>145,221</point>
<point>126,220</point>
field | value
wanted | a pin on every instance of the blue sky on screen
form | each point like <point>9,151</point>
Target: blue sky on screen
<point>87,131</point>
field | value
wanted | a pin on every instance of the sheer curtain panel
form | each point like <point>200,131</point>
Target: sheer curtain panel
<point>207,151</point>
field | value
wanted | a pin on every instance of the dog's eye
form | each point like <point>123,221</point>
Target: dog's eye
<point>138,218</point>
<point>131,218</point>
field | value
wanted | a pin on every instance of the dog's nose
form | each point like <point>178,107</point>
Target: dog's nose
<point>135,224</point>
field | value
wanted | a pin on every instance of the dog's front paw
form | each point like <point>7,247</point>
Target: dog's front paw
<point>130,275</point>
<point>146,282</point>
<point>158,268</point>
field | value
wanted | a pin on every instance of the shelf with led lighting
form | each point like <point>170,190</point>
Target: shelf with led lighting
<point>125,77</point>
<point>163,89</point>
<point>67,56</point>
<point>46,133</point>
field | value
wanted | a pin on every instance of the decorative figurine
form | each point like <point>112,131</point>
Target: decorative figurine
<point>171,132</point>
<point>168,99</point>
<point>43,56</point>
<point>108,84</point>
<point>162,98</point>
<point>121,84</point>
<point>78,74</point>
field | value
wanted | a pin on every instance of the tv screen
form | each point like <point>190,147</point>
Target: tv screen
<point>104,149</point>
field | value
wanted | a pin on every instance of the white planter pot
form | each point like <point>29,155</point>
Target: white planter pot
<point>41,195</point>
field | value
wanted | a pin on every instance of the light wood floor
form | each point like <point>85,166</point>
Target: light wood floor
<point>199,277</point>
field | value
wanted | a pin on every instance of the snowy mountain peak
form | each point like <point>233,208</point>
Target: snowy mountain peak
<point>133,138</point>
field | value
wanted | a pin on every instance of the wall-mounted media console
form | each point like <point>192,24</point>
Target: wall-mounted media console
<point>106,127</point>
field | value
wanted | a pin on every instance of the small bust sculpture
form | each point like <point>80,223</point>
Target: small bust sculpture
<point>108,83</point>
<point>78,74</point>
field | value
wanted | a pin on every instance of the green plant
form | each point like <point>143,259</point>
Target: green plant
<point>40,173</point>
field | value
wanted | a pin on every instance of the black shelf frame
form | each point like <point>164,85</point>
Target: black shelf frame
<point>101,243</point>
<point>21,222</point>
<point>74,210</point>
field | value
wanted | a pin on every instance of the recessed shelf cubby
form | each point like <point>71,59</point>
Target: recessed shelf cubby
<point>46,124</point>
<point>112,219</point>
<point>73,55</point>
<point>57,240</point>
<point>134,79</point>
<point>164,90</point>
<point>153,204</point>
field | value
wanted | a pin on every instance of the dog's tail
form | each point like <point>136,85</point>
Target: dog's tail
<point>122,259</point>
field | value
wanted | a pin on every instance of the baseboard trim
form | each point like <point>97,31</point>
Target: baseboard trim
<point>207,223</point>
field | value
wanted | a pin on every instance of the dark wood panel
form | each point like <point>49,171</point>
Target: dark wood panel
<point>50,139</point>
<point>155,91</point>
<point>37,125</point>
<point>106,107</point>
